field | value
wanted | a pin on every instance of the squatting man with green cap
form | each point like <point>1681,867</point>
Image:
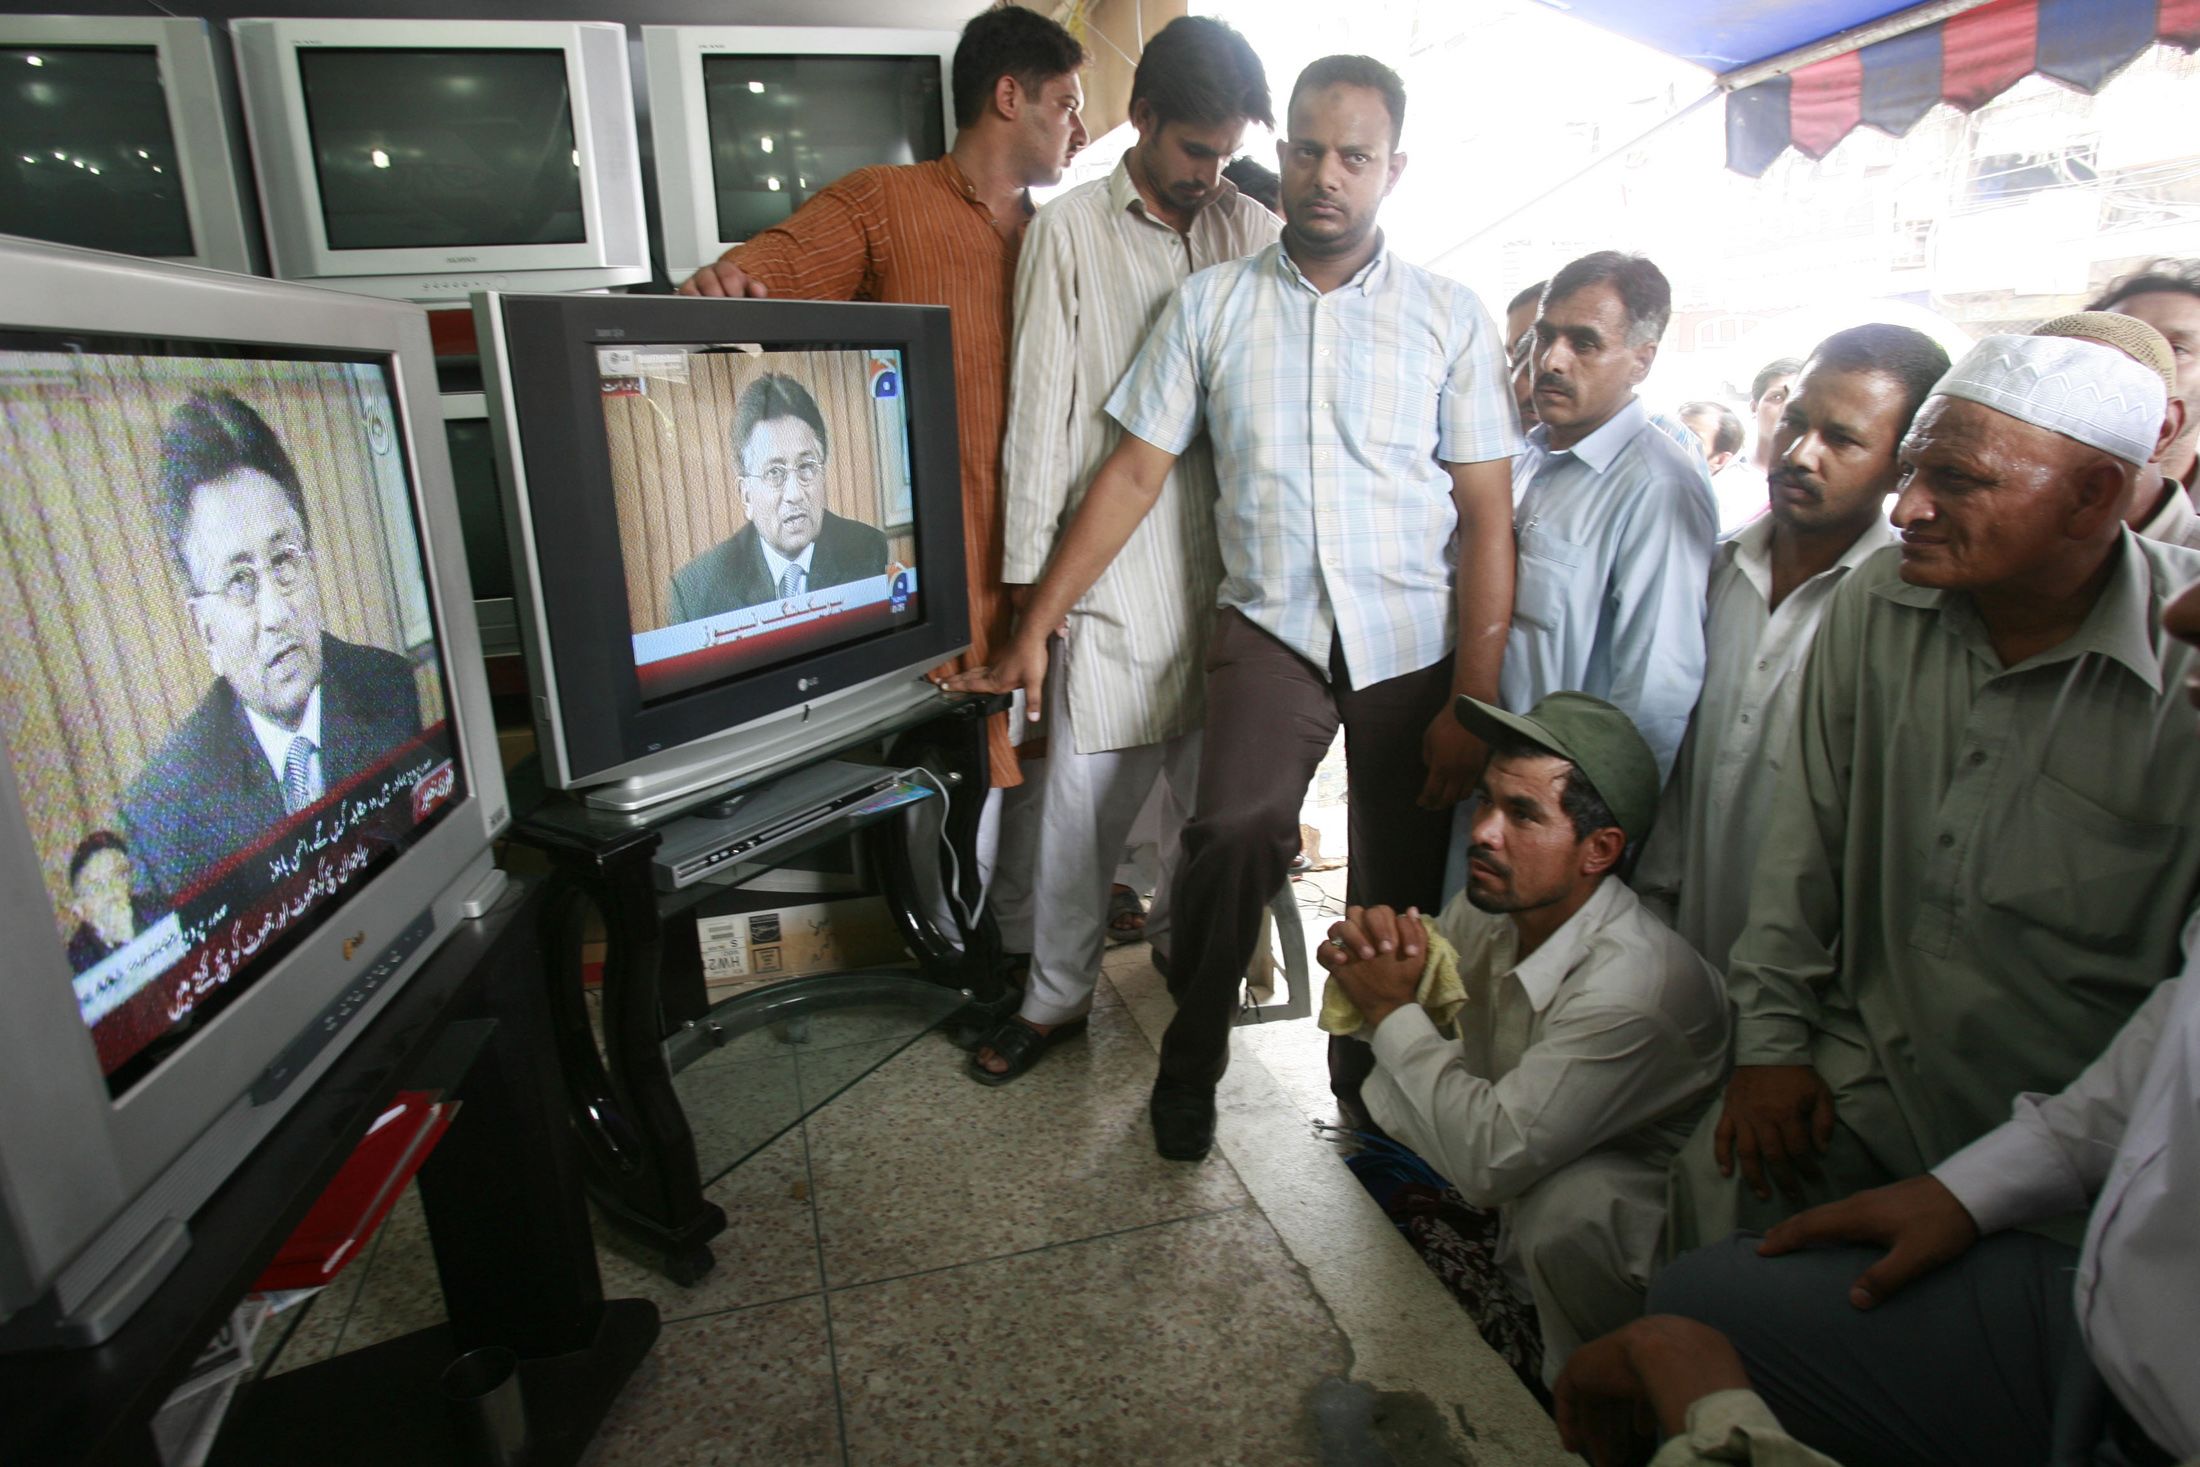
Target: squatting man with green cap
<point>1589,1038</point>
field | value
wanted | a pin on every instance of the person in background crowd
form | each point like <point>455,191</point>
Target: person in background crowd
<point>1741,489</point>
<point>2161,508</point>
<point>1589,1035</point>
<point>1520,311</point>
<point>1977,863</point>
<point>1257,183</point>
<point>1100,264</point>
<point>2166,295</point>
<point>1835,461</point>
<point>946,233</point>
<point>1350,487</point>
<point>1716,430</point>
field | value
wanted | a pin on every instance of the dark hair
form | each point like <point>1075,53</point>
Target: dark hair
<point>1255,182</point>
<point>1576,797</point>
<point>1008,40</point>
<point>1357,71</point>
<point>1200,71</point>
<point>776,395</point>
<point>1770,373</point>
<point>92,845</point>
<point>1528,293</point>
<point>1727,437</point>
<point>1907,356</point>
<point>211,437</point>
<point>1643,290</point>
<point>2171,277</point>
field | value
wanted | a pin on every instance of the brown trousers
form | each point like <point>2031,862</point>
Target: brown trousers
<point>1271,716</point>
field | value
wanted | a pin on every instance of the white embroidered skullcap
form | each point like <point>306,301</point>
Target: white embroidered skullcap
<point>2068,385</point>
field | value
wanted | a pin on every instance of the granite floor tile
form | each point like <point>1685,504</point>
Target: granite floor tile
<point>751,1387</point>
<point>1191,1342</point>
<point>767,1252</point>
<point>917,1167</point>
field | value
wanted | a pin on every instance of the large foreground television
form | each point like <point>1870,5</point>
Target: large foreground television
<point>427,159</point>
<point>119,133</point>
<point>736,527</point>
<point>248,774</point>
<point>750,121</point>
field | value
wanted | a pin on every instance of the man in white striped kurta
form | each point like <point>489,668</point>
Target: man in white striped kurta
<point>1099,264</point>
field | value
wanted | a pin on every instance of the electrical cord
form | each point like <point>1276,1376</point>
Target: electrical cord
<point>968,914</point>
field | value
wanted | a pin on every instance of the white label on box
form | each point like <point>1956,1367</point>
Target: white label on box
<point>725,945</point>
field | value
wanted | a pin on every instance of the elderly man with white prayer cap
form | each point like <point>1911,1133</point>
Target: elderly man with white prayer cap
<point>1989,837</point>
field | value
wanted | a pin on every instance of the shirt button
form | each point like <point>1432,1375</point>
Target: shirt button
<point>1745,718</point>
<point>1978,756</point>
<point>1325,351</point>
<point>1323,406</point>
<point>1762,664</point>
<point>1946,839</point>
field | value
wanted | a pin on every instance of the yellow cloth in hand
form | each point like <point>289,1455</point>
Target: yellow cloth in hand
<point>1440,992</point>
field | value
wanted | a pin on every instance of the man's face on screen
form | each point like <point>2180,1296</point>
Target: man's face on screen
<point>254,597</point>
<point>783,483</point>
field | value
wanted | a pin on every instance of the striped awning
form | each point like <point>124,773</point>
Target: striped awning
<point>1806,75</point>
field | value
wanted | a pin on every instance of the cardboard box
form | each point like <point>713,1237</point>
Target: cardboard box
<point>749,949</point>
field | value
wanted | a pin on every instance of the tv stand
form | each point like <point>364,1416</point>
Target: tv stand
<point>642,1169</point>
<point>506,1217</point>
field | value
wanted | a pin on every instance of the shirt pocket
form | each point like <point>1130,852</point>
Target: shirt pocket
<point>2076,868</point>
<point>1544,576</point>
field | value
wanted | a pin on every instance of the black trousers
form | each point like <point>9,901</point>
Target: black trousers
<point>1271,716</point>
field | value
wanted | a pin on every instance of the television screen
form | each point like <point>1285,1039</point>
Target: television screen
<point>783,127</point>
<point>441,149</point>
<point>763,502</point>
<point>89,158</point>
<point>227,707</point>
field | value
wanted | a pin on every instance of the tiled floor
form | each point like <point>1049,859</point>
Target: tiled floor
<point>929,1271</point>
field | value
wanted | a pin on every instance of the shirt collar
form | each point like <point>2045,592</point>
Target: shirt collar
<point>1366,281</point>
<point>961,183</point>
<point>1749,550</point>
<point>1601,447</point>
<point>777,564</point>
<point>2120,626</point>
<point>274,739</point>
<point>1542,971</point>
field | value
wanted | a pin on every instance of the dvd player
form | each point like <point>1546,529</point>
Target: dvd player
<point>756,821</point>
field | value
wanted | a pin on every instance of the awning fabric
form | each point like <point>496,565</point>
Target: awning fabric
<point>1965,60</point>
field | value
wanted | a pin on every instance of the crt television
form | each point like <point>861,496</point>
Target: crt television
<point>248,774</point>
<point>120,134</point>
<point>749,121</point>
<point>736,527</point>
<point>426,159</point>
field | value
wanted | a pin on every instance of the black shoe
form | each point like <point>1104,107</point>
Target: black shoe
<point>1183,1120</point>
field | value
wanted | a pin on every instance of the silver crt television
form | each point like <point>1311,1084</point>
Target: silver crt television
<point>427,159</point>
<point>750,121</point>
<point>248,773</point>
<point>121,133</point>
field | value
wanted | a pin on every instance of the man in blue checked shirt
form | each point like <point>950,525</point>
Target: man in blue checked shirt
<point>1363,428</point>
<point>1615,518</point>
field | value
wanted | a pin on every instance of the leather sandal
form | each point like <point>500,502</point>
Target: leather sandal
<point>1021,1045</point>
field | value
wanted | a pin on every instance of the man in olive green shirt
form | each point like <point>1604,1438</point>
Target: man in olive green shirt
<point>1989,842</point>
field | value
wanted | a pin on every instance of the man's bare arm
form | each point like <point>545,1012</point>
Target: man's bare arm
<point>1121,495</point>
<point>1484,590</point>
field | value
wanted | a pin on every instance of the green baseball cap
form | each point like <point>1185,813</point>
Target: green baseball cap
<point>1601,741</point>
